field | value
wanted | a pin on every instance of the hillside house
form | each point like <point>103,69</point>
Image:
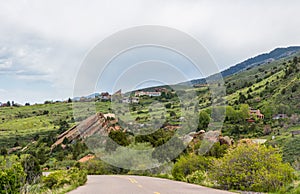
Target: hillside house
<point>279,116</point>
<point>118,93</point>
<point>105,96</point>
<point>150,94</point>
<point>130,100</point>
<point>4,104</point>
<point>256,113</point>
<point>135,100</point>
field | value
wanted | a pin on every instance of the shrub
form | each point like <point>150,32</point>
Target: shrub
<point>204,119</point>
<point>97,167</point>
<point>168,105</point>
<point>196,177</point>
<point>56,179</point>
<point>188,164</point>
<point>251,167</point>
<point>78,177</point>
<point>217,150</point>
<point>11,176</point>
<point>172,114</point>
<point>60,178</point>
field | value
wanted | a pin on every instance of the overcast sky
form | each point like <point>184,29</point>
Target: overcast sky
<point>42,43</point>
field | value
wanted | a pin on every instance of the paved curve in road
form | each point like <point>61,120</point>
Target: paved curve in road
<point>118,184</point>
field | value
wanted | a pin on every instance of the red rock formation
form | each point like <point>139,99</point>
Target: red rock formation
<point>96,124</point>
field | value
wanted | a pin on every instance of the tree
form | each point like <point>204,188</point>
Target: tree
<point>65,141</point>
<point>36,137</point>
<point>168,105</point>
<point>231,114</point>
<point>172,114</point>
<point>69,100</point>
<point>242,98</point>
<point>295,60</point>
<point>16,144</point>
<point>157,138</point>
<point>77,149</point>
<point>32,168</point>
<point>251,167</point>
<point>41,155</point>
<point>217,150</point>
<point>294,88</point>
<point>116,138</point>
<point>3,152</point>
<point>203,120</point>
<point>268,111</point>
<point>63,126</point>
<point>249,96</point>
<point>11,176</point>
<point>244,111</point>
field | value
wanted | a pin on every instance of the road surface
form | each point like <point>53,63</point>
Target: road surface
<point>118,184</point>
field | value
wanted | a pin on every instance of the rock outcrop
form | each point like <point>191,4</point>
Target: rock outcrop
<point>97,124</point>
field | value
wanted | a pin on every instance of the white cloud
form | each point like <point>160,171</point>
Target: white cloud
<point>45,41</point>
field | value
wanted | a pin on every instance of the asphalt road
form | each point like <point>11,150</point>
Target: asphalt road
<point>118,184</point>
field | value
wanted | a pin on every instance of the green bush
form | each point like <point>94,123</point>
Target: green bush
<point>196,177</point>
<point>98,167</point>
<point>217,150</point>
<point>251,167</point>
<point>188,164</point>
<point>78,177</point>
<point>60,178</point>
<point>12,176</point>
<point>56,179</point>
<point>204,119</point>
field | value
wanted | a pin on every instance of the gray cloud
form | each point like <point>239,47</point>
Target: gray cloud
<point>45,41</point>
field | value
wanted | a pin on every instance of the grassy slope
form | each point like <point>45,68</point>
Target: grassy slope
<point>271,75</point>
<point>23,123</point>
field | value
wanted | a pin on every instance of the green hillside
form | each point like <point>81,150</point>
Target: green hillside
<point>273,88</point>
<point>21,125</point>
<point>275,85</point>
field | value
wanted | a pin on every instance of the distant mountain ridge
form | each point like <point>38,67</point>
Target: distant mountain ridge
<point>261,59</point>
<point>275,54</point>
